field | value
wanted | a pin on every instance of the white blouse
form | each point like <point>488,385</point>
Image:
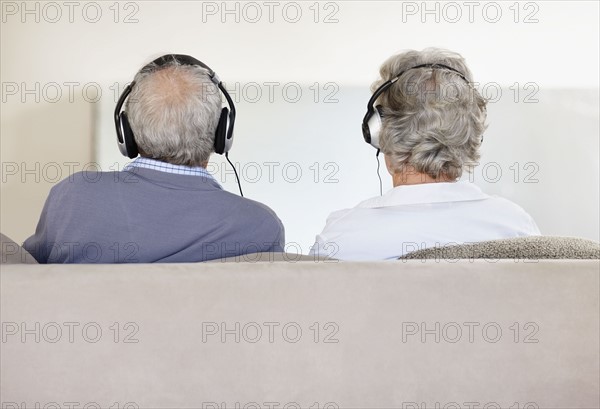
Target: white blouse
<point>413,217</point>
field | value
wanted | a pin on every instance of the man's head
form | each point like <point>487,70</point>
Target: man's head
<point>433,119</point>
<point>173,111</point>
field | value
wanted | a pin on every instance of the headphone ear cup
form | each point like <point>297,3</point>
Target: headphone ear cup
<point>374,123</point>
<point>128,148</point>
<point>221,132</point>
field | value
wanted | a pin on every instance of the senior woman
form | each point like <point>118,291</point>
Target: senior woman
<point>428,121</point>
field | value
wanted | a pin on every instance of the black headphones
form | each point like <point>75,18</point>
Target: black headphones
<point>371,125</point>
<point>223,133</point>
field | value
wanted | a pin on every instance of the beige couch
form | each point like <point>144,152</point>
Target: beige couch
<point>520,332</point>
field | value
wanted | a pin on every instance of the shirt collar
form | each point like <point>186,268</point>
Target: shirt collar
<point>148,163</point>
<point>427,193</point>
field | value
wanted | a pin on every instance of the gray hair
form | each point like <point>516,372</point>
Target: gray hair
<point>433,120</point>
<point>174,111</point>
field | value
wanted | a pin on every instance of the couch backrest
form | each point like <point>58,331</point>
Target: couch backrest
<point>12,253</point>
<point>518,248</point>
<point>406,334</point>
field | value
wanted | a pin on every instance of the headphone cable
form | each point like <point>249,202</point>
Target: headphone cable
<point>378,175</point>
<point>235,172</point>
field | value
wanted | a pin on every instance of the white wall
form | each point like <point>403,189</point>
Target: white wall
<point>558,54</point>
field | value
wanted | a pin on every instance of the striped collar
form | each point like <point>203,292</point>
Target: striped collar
<point>148,163</point>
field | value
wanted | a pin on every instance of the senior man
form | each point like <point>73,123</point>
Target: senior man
<point>428,120</point>
<point>164,206</point>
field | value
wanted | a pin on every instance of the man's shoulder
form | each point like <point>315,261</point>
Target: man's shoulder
<point>89,179</point>
<point>249,221</point>
<point>91,183</point>
<point>253,209</point>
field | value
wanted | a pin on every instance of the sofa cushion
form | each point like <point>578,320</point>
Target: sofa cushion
<point>531,247</point>
<point>12,253</point>
<point>300,335</point>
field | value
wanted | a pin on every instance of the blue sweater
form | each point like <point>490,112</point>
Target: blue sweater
<point>145,215</point>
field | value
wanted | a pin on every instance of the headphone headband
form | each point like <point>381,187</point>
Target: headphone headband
<point>436,65</point>
<point>181,59</point>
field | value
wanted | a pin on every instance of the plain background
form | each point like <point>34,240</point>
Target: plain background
<point>303,154</point>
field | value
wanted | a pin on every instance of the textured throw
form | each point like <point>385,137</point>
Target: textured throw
<point>532,247</point>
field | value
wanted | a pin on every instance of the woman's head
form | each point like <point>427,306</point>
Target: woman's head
<point>433,118</point>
